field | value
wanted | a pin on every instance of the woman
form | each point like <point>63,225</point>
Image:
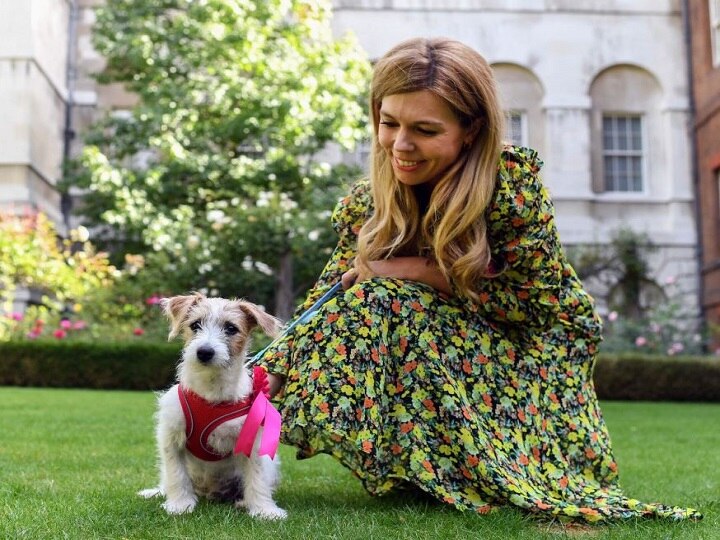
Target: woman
<point>458,360</point>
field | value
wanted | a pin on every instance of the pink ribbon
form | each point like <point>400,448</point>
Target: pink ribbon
<point>261,413</point>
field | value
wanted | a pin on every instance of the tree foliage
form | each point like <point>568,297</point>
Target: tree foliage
<point>214,175</point>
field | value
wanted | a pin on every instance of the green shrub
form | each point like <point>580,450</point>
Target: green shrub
<point>657,378</point>
<point>106,365</point>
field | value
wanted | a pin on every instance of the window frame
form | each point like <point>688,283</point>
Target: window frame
<point>624,153</point>
<point>522,115</point>
<point>714,21</point>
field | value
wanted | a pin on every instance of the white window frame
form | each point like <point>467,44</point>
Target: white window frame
<point>715,31</point>
<point>522,116</point>
<point>623,153</point>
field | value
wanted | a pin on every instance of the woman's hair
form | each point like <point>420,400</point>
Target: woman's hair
<point>453,226</point>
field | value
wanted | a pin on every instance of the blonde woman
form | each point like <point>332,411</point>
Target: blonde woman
<point>458,359</point>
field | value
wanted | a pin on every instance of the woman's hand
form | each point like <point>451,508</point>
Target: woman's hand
<point>419,269</point>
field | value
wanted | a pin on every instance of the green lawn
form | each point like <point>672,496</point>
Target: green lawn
<point>72,460</point>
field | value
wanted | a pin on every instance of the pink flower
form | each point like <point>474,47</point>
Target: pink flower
<point>15,316</point>
<point>60,333</point>
<point>655,328</point>
<point>33,334</point>
<point>640,341</point>
<point>153,300</point>
<point>138,331</point>
<point>65,324</point>
<point>79,325</point>
<point>675,348</point>
<point>612,316</point>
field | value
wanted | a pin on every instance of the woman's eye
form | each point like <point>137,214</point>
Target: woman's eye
<point>196,326</point>
<point>388,124</point>
<point>230,329</point>
<point>427,132</point>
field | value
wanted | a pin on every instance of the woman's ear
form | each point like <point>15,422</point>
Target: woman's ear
<point>472,131</point>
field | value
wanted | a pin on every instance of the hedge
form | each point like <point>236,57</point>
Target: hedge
<point>67,364</point>
<point>658,378</point>
<point>151,366</point>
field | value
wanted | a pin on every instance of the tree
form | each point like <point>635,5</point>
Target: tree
<point>621,268</point>
<point>214,175</point>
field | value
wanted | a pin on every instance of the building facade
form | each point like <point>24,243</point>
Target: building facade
<point>33,103</point>
<point>599,88</point>
<point>703,19</point>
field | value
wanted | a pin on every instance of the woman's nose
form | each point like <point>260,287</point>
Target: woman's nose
<point>403,142</point>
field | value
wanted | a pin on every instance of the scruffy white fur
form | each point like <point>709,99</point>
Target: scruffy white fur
<point>218,328</point>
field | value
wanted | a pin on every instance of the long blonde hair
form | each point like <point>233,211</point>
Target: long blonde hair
<point>453,227</point>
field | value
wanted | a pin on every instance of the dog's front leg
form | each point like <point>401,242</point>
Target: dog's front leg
<point>260,475</point>
<point>174,478</point>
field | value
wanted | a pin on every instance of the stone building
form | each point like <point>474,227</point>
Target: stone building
<point>599,87</point>
<point>703,19</point>
<point>33,103</point>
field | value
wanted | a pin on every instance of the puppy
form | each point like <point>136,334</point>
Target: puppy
<point>199,455</point>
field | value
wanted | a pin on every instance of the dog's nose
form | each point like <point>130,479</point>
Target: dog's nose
<point>205,354</point>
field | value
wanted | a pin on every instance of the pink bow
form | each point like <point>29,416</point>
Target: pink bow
<point>261,413</point>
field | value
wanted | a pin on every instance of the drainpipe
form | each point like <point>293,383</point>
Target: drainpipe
<point>694,172</point>
<point>68,132</point>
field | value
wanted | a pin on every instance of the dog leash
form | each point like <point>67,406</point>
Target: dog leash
<point>302,319</point>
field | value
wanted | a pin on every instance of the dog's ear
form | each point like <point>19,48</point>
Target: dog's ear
<point>269,324</point>
<point>176,308</point>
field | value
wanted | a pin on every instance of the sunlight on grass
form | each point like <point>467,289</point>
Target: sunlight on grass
<point>72,460</point>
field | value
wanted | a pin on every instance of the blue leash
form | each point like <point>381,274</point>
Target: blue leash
<point>302,319</point>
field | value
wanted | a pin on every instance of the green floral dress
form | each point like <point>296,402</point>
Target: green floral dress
<point>478,404</point>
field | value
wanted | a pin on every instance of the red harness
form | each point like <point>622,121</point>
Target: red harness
<point>203,417</point>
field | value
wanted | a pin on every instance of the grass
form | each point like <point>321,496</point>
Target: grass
<point>72,460</point>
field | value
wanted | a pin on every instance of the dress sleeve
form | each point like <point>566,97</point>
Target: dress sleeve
<point>347,219</point>
<point>524,245</point>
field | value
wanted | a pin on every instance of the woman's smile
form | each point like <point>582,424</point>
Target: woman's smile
<point>406,165</point>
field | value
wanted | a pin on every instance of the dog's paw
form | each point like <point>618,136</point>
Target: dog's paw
<point>150,493</point>
<point>180,506</point>
<point>267,512</point>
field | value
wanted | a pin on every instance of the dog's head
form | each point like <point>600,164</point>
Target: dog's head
<point>216,330</point>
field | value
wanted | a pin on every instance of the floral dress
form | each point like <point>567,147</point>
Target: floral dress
<point>478,404</point>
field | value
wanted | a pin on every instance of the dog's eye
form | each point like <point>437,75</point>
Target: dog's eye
<point>195,326</point>
<point>230,329</point>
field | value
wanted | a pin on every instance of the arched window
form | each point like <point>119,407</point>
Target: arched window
<point>521,95</point>
<point>625,123</point>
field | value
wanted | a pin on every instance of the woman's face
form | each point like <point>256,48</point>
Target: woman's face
<point>421,135</point>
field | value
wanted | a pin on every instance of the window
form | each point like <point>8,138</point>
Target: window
<point>622,152</point>
<point>515,128</point>
<point>521,94</point>
<point>361,155</point>
<point>715,31</point>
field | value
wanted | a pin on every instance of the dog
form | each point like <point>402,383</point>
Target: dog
<point>199,460</point>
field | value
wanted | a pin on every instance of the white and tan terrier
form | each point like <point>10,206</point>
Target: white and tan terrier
<point>205,447</point>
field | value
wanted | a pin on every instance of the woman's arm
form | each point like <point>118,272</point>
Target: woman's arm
<point>419,269</point>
